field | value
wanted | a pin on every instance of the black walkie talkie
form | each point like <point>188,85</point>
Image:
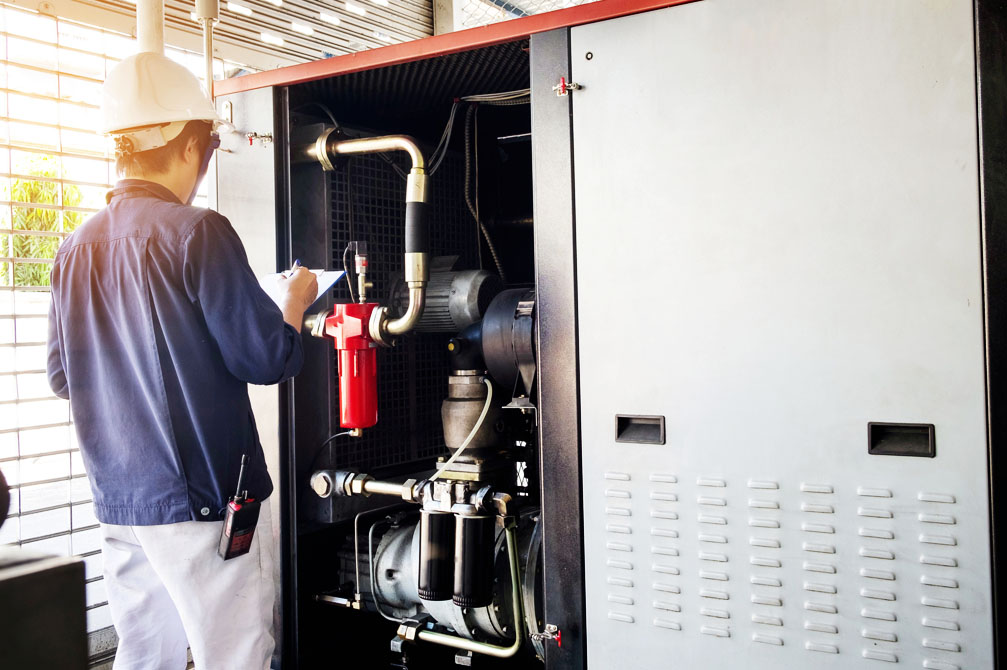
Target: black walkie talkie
<point>239,523</point>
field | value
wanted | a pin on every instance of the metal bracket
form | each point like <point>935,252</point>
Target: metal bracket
<point>263,138</point>
<point>408,630</point>
<point>339,597</point>
<point>552,632</point>
<point>564,87</point>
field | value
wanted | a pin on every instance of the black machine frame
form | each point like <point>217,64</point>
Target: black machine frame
<point>304,232</point>
<point>991,103</point>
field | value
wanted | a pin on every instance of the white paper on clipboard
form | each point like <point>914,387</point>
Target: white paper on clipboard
<point>326,280</point>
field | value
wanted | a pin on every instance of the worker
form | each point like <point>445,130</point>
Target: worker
<point>156,326</point>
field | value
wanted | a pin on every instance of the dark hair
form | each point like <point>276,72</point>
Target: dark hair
<point>158,161</point>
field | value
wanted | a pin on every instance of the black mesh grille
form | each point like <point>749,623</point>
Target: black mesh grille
<point>416,97</point>
<point>412,377</point>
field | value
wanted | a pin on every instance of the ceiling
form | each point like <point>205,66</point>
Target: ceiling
<point>265,34</point>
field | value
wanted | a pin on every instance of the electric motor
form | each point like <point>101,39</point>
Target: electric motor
<point>454,300</point>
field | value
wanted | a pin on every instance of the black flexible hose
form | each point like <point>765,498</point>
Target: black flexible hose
<point>416,228</point>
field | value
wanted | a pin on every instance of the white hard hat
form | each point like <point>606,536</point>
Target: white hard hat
<point>149,98</point>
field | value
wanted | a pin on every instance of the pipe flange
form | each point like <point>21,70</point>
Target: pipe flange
<point>377,327</point>
<point>315,323</point>
<point>322,151</point>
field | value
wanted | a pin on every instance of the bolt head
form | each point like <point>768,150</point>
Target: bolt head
<point>321,484</point>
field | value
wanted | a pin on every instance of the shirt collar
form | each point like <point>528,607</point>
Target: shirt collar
<point>139,188</point>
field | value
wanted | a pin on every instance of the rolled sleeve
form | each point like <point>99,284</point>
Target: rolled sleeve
<point>257,346</point>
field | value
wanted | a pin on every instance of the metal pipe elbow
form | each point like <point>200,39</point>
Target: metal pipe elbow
<point>370,145</point>
<point>408,321</point>
<point>385,330</point>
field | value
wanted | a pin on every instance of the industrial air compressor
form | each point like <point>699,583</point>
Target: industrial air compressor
<point>670,337</point>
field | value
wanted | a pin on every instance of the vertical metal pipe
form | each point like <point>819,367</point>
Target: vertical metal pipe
<point>208,54</point>
<point>208,12</point>
<point>150,26</point>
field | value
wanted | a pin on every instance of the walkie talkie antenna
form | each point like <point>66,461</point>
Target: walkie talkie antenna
<point>241,476</point>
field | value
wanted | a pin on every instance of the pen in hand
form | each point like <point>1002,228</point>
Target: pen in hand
<point>297,264</point>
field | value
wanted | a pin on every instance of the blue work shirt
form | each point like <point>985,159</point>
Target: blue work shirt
<point>156,326</point>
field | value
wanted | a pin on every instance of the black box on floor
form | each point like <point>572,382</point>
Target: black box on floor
<point>42,611</point>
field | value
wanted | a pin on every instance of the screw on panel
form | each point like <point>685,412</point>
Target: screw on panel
<point>589,55</point>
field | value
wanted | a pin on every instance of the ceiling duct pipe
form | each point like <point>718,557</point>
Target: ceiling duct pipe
<point>208,13</point>
<point>150,26</point>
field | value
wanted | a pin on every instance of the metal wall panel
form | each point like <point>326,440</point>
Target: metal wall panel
<point>245,192</point>
<point>556,339</point>
<point>778,205</point>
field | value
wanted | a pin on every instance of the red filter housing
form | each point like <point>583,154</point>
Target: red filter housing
<point>358,364</point>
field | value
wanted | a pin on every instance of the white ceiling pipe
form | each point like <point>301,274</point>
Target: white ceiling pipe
<point>150,25</point>
<point>208,13</point>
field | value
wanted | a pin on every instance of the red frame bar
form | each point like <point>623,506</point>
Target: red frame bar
<point>448,43</point>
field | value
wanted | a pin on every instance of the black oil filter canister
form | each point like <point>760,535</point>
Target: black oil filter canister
<point>474,555</point>
<point>436,564</point>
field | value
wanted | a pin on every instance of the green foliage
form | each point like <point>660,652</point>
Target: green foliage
<point>38,219</point>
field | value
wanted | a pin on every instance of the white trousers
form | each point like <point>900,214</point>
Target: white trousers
<point>168,590</point>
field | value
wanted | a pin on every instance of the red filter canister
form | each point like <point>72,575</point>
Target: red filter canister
<point>358,364</point>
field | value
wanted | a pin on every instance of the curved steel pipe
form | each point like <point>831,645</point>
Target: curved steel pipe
<point>382,328</point>
<point>405,323</point>
<point>374,145</point>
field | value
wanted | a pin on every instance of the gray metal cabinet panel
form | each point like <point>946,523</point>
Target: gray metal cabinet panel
<point>245,192</point>
<point>778,241</point>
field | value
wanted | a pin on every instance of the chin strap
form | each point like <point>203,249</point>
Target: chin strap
<point>210,148</point>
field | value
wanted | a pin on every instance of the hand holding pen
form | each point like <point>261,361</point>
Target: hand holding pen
<point>298,289</point>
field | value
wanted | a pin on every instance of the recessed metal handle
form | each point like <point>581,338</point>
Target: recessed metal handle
<point>639,429</point>
<point>901,439</point>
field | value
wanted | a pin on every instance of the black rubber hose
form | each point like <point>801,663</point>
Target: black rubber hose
<point>416,228</point>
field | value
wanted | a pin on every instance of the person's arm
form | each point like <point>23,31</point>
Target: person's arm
<point>259,343</point>
<point>55,367</point>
